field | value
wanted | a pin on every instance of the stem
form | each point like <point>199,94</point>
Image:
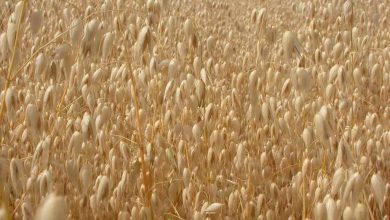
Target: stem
<point>146,177</point>
<point>8,83</point>
<point>141,146</point>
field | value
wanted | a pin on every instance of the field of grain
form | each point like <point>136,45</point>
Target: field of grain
<point>195,109</point>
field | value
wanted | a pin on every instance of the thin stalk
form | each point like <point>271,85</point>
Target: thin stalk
<point>8,83</point>
<point>145,169</point>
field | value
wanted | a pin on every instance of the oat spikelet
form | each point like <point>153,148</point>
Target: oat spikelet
<point>378,188</point>
<point>53,208</point>
<point>36,18</point>
<point>290,44</point>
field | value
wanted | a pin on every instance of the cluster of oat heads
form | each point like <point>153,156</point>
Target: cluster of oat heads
<point>162,109</point>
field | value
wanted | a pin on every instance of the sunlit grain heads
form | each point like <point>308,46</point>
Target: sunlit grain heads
<point>72,172</point>
<point>330,92</point>
<point>361,212</point>
<point>253,80</point>
<point>213,208</point>
<point>36,18</point>
<point>378,188</point>
<point>346,37</point>
<point>197,65</point>
<point>305,167</point>
<point>134,212</point>
<point>200,90</point>
<point>45,181</point>
<point>10,103</point>
<point>54,207</point>
<point>205,76</point>
<point>231,128</point>
<point>11,35</point>
<point>348,213</point>
<point>210,156</point>
<point>106,113</point>
<point>286,88</point>
<point>3,47</point>
<point>3,214</point>
<point>371,121</point>
<point>375,72</point>
<point>170,26</point>
<point>150,5</point>
<point>240,156</point>
<point>328,46</point>
<point>344,154</point>
<point>49,98</point>
<point>303,80</point>
<point>290,44</point>
<point>103,189</point>
<point>320,211</point>
<point>321,129</point>
<point>17,174</point>
<point>91,30</point>
<point>62,52</point>
<point>347,12</point>
<point>143,41</point>
<point>41,153</point>
<point>254,15</point>
<point>270,35</point>
<point>86,126</point>
<point>270,214</point>
<point>106,6</point>
<point>75,143</point>
<point>331,209</point>
<point>182,51</point>
<point>40,66</point>
<point>107,45</point>
<point>67,14</point>
<point>33,119</point>
<point>123,215</point>
<point>338,180</point>
<point>188,28</point>
<point>76,31</point>
<point>227,51</point>
<point>299,104</point>
<point>17,15</point>
<point>211,42</point>
<point>173,69</point>
<point>197,132</point>
<point>338,51</point>
<point>85,176</point>
<point>142,117</point>
<point>169,89</point>
<point>261,19</point>
<point>265,112</point>
<point>27,211</point>
<point>357,76</point>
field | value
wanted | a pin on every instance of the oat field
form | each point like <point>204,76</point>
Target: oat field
<point>195,109</point>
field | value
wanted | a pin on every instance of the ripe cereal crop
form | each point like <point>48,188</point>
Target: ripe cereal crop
<point>195,109</point>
